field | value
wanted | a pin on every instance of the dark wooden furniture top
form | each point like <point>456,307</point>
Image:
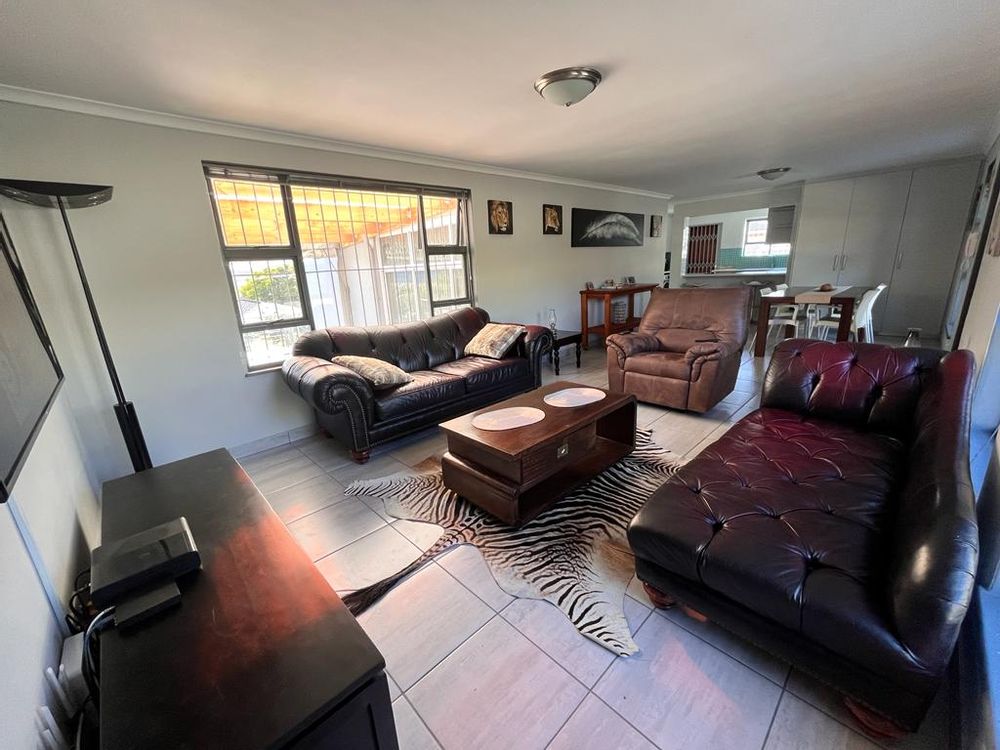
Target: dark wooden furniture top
<point>261,648</point>
<point>516,474</point>
<point>565,338</point>
<point>617,291</point>
<point>845,300</point>
<point>607,328</point>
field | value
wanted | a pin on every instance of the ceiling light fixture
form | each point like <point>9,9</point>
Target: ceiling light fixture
<point>567,86</point>
<point>773,173</point>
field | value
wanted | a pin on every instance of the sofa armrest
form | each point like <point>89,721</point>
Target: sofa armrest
<point>625,345</point>
<point>709,350</point>
<point>330,388</point>
<point>538,341</point>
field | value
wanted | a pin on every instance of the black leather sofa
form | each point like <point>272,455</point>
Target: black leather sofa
<point>445,382</point>
<point>835,526</point>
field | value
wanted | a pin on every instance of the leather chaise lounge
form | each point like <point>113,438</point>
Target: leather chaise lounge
<point>835,526</point>
<point>686,351</point>
<point>445,381</point>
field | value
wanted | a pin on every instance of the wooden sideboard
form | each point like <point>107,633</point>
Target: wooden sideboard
<point>606,328</point>
<point>261,653</point>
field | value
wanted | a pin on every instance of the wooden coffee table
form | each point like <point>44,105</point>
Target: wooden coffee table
<point>516,474</point>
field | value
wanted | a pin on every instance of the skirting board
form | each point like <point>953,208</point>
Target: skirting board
<point>273,441</point>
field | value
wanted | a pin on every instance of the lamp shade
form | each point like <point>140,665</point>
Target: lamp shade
<point>567,86</point>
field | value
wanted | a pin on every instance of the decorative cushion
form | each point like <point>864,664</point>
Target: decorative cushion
<point>494,340</point>
<point>379,373</point>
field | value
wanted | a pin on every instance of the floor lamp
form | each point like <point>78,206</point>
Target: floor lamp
<point>64,196</point>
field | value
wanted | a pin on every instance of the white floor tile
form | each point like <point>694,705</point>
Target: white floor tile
<point>421,534</point>
<point>368,560</point>
<point>410,730</point>
<point>496,691</point>
<point>681,692</point>
<point>547,627</point>
<point>747,653</point>
<point>379,466</point>
<point>277,476</point>
<point>305,497</point>
<point>594,726</point>
<point>798,725</point>
<point>466,563</point>
<point>421,621</point>
<point>333,527</point>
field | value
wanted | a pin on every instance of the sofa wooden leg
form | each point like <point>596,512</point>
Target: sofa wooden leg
<point>873,724</point>
<point>657,597</point>
<point>361,457</point>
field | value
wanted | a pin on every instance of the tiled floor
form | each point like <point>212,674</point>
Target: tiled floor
<point>472,667</point>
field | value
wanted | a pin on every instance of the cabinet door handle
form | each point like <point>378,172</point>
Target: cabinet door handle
<point>836,257</point>
<point>843,261</point>
<point>899,260</point>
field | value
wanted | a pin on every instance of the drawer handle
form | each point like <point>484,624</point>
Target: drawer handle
<point>562,451</point>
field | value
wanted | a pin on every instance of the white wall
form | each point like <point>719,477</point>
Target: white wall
<point>984,304</point>
<point>54,496</point>
<point>154,263</point>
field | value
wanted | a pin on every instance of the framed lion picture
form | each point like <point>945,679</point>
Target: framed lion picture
<point>501,217</point>
<point>552,222</point>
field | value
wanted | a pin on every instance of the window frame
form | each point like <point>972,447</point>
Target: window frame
<point>746,235</point>
<point>287,180</point>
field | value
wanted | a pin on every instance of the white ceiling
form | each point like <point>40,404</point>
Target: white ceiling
<point>696,94</point>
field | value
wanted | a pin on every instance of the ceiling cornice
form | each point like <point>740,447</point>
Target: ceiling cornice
<point>66,103</point>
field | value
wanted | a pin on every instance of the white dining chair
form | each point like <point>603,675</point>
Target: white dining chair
<point>781,315</point>
<point>862,318</point>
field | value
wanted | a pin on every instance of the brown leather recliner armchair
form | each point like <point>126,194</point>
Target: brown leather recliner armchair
<point>686,351</point>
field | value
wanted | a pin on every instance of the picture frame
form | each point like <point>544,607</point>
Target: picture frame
<point>593,228</point>
<point>588,285</point>
<point>655,225</point>
<point>552,219</point>
<point>500,216</point>
<point>630,279</point>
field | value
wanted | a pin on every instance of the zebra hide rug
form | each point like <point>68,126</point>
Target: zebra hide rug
<point>574,555</point>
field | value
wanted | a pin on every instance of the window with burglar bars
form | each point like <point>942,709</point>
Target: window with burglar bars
<point>309,251</point>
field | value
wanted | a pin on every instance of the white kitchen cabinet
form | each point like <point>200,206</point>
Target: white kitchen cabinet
<point>819,240</point>
<point>876,218</point>
<point>903,228</point>
<point>936,214</point>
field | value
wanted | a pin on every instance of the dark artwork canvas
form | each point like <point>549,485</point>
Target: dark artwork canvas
<point>551,219</point>
<point>605,228</point>
<point>501,217</point>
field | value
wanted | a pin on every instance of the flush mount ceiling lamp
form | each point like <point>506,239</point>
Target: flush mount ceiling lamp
<point>567,86</point>
<point>773,173</point>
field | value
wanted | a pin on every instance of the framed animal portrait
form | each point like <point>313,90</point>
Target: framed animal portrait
<point>552,221</point>
<point>501,217</point>
<point>655,225</point>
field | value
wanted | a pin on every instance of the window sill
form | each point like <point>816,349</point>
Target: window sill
<point>262,370</point>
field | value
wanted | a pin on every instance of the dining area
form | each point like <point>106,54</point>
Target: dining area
<point>828,312</point>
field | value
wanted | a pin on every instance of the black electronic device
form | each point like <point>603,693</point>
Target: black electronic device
<point>154,556</point>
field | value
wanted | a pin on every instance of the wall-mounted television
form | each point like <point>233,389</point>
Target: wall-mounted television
<point>30,375</point>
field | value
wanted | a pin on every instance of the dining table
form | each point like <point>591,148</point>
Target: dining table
<point>845,298</point>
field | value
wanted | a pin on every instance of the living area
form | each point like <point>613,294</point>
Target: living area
<point>453,398</point>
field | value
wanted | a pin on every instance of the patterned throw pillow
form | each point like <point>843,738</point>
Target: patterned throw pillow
<point>494,340</point>
<point>379,373</point>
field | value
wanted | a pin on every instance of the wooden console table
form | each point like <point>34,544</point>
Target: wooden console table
<point>607,327</point>
<point>261,653</point>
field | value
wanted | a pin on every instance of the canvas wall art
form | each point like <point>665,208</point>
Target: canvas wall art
<point>552,221</point>
<point>655,225</point>
<point>501,216</point>
<point>605,228</point>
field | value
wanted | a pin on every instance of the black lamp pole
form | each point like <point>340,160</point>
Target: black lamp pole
<point>64,195</point>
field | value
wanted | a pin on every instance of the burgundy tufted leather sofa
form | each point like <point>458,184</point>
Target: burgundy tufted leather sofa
<point>445,381</point>
<point>686,351</point>
<point>835,526</point>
